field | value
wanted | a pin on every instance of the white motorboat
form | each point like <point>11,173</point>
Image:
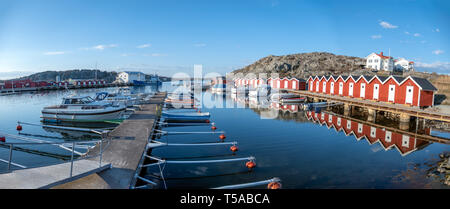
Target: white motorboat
<point>279,96</point>
<point>261,91</point>
<point>83,109</point>
<point>116,98</point>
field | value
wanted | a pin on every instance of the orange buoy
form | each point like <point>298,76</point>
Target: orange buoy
<point>250,164</point>
<point>19,128</point>
<point>274,185</point>
<point>234,148</point>
<point>2,139</point>
<point>222,136</point>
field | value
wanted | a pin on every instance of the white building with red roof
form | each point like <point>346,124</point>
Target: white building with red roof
<point>379,62</point>
<point>403,65</point>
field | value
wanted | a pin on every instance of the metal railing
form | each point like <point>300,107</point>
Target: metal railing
<point>72,155</point>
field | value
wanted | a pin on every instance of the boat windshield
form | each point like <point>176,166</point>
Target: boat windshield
<point>84,100</point>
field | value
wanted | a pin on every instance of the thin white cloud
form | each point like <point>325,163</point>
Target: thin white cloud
<point>435,65</point>
<point>416,34</point>
<point>54,53</point>
<point>387,25</point>
<point>437,30</point>
<point>438,52</point>
<point>101,47</point>
<point>143,46</point>
<point>156,55</point>
<point>200,45</point>
<point>407,33</point>
<point>376,36</point>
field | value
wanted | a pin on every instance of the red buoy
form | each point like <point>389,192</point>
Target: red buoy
<point>207,121</point>
<point>222,136</point>
<point>213,128</point>
<point>234,148</point>
<point>2,139</point>
<point>19,128</point>
<point>274,185</point>
<point>250,164</point>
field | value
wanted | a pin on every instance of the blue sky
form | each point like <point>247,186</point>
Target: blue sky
<point>171,36</point>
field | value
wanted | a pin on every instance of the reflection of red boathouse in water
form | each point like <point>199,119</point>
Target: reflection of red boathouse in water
<point>293,108</point>
<point>405,144</point>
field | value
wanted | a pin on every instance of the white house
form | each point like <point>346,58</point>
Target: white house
<point>129,77</point>
<point>403,64</point>
<point>379,62</point>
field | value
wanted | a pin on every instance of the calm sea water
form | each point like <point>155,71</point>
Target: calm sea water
<point>290,146</point>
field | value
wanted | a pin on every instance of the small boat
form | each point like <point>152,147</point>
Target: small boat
<point>279,96</point>
<point>293,100</point>
<point>240,90</point>
<point>181,96</point>
<point>185,116</point>
<point>219,88</point>
<point>261,91</point>
<point>83,109</point>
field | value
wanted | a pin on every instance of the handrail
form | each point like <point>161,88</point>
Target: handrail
<point>47,143</point>
<point>72,149</point>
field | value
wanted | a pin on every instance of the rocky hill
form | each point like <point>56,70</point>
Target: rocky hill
<point>306,64</point>
<point>73,74</point>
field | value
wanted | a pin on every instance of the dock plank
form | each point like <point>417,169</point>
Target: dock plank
<point>48,176</point>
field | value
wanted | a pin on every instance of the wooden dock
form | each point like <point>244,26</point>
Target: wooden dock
<point>123,150</point>
<point>379,106</point>
<point>49,176</point>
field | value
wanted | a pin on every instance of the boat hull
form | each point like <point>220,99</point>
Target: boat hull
<point>185,116</point>
<point>67,116</point>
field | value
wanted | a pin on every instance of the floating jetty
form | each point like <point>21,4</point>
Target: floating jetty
<point>111,164</point>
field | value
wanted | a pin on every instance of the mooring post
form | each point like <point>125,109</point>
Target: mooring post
<point>347,109</point>
<point>316,99</point>
<point>10,156</point>
<point>372,115</point>
<point>71,159</point>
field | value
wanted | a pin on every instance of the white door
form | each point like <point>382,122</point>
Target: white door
<point>294,84</point>
<point>278,84</point>
<point>324,87</point>
<point>286,84</point>
<point>311,86</point>
<point>409,94</point>
<point>391,93</point>
<point>363,90</point>
<point>405,141</point>
<point>341,88</point>
<point>350,89</point>
<point>332,88</point>
<point>376,90</point>
<point>388,136</point>
<point>317,86</point>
